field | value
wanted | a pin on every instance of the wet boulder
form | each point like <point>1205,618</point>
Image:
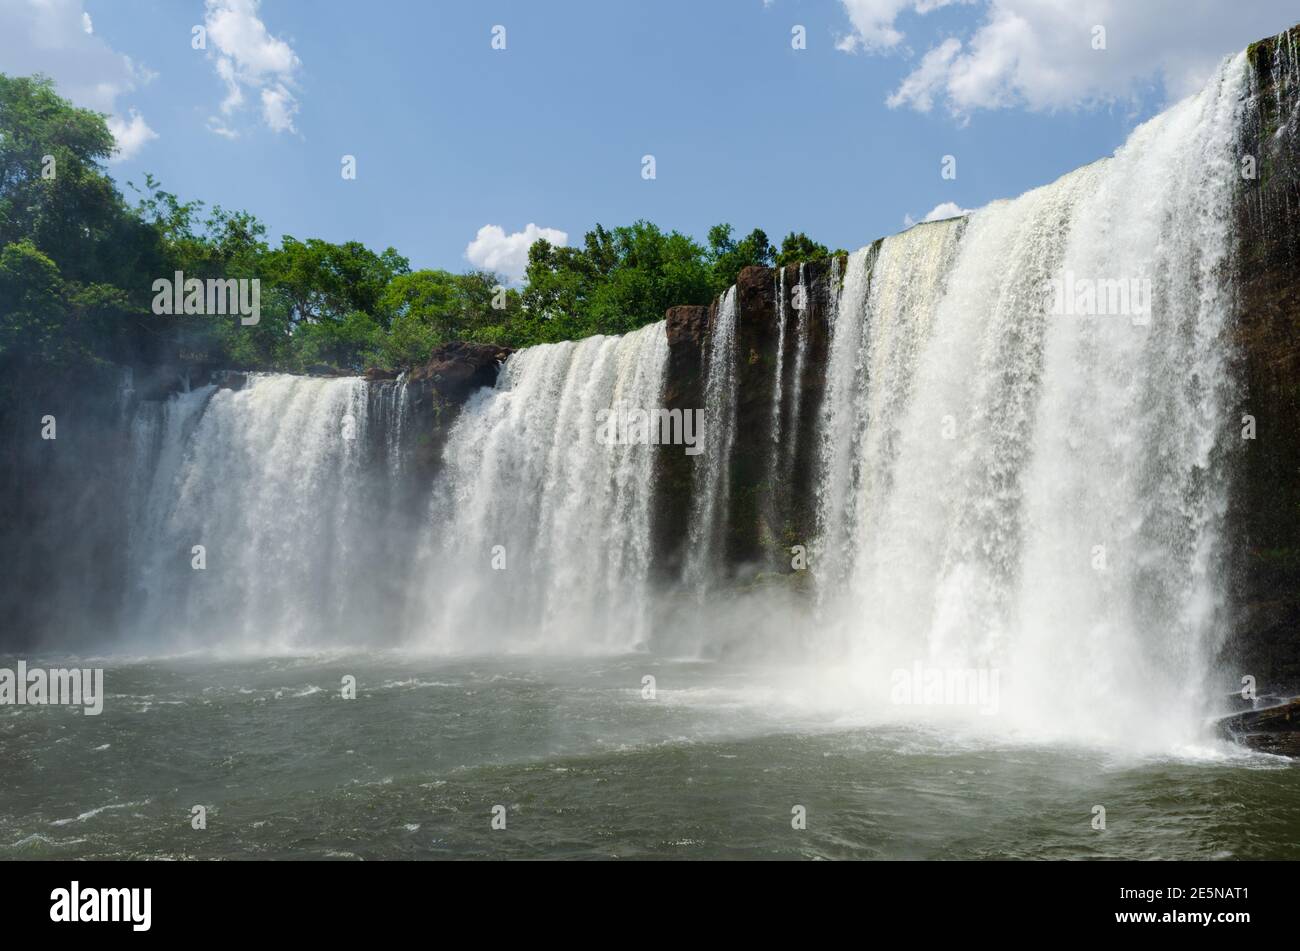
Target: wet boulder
<point>1270,727</point>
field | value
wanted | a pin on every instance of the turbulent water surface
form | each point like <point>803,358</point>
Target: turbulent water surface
<point>586,766</point>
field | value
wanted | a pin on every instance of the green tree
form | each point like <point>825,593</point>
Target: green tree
<point>344,343</point>
<point>431,307</point>
<point>799,248</point>
<point>727,256</point>
<point>620,279</point>
<point>33,311</point>
<point>52,190</point>
<point>327,282</point>
<point>77,266</point>
<point>55,196</point>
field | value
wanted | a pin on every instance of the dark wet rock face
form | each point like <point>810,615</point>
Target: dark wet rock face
<point>1264,517</point>
<point>686,327</point>
<point>438,389</point>
<point>770,493</point>
<point>772,498</point>
<point>455,370</point>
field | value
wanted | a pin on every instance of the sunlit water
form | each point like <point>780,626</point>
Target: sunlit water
<point>586,767</point>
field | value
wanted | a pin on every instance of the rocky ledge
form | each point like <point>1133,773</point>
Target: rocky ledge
<point>457,369</point>
<point>1273,727</point>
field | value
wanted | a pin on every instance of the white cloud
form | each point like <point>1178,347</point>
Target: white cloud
<point>874,21</point>
<point>1039,55</point>
<point>494,250</point>
<point>217,127</point>
<point>278,108</point>
<point>248,57</point>
<point>56,37</point>
<point>947,209</point>
<point>920,87</point>
<point>131,134</point>
<point>234,94</point>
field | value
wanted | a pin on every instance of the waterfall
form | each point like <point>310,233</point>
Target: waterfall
<point>544,526</point>
<point>1020,466</point>
<point>394,407</point>
<point>1022,442</point>
<point>283,485</point>
<point>802,332</point>
<point>315,529</point>
<point>889,297</point>
<point>778,376</point>
<point>777,477</point>
<point>711,488</point>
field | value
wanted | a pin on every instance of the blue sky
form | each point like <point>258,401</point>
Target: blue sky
<point>843,139</point>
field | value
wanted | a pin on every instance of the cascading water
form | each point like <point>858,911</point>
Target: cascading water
<point>314,528</point>
<point>778,488</point>
<point>711,490</point>
<point>803,331</point>
<point>544,526</point>
<point>1026,482</point>
<point>778,378</point>
<point>886,305</point>
<point>284,487</point>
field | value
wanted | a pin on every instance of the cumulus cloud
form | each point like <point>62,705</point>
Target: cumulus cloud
<point>920,88</point>
<point>56,37</point>
<point>248,58</point>
<point>1040,55</point>
<point>278,108</point>
<point>873,22</point>
<point>947,209</point>
<point>131,133</point>
<point>494,250</point>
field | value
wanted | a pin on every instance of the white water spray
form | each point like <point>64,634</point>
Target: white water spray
<point>541,533</point>
<point>263,518</point>
<point>1004,488</point>
<point>711,492</point>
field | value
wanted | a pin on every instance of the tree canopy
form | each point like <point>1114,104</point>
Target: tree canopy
<point>78,259</point>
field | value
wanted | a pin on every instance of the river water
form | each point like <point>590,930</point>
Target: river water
<point>586,765</point>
